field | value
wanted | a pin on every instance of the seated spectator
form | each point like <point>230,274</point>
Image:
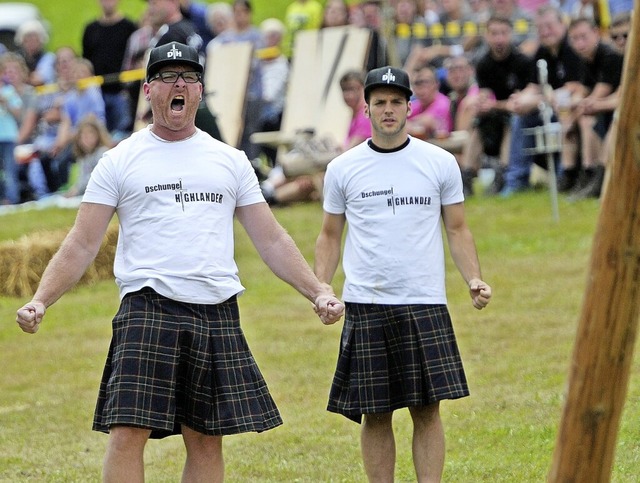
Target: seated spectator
<point>275,75</point>
<point>29,175</point>
<point>460,79</point>
<point>243,30</point>
<point>50,136</point>
<point>369,15</point>
<point>10,112</point>
<point>90,142</point>
<point>196,13</point>
<point>619,31</point>
<point>453,37</point>
<point>502,71</point>
<point>281,188</point>
<point>31,39</point>
<point>565,71</point>
<point>410,30</point>
<point>300,15</point>
<point>335,14</point>
<point>430,115</point>
<point>594,113</point>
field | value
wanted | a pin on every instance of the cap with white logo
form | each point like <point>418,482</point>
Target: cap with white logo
<point>171,54</point>
<point>387,77</point>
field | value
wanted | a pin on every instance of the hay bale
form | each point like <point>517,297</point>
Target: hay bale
<point>23,261</point>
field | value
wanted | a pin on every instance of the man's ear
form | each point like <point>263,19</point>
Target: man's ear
<point>408,108</point>
<point>366,110</point>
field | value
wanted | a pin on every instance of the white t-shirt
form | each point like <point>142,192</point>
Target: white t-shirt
<point>175,203</point>
<point>394,252</point>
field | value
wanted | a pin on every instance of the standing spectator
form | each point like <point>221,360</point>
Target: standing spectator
<point>174,27</point>
<point>565,71</point>
<point>243,30</point>
<point>196,13</point>
<point>430,115</point>
<point>104,43</point>
<point>301,15</point>
<point>179,362</point>
<point>219,17</point>
<point>502,71</point>
<point>31,39</point>
<point>398,347</point>
<point>10,113</point>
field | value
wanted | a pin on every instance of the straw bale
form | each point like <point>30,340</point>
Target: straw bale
<point>23,261</point>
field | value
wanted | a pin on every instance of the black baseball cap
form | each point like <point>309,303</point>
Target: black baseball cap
<point>387,77</point>
<point>172,53</point>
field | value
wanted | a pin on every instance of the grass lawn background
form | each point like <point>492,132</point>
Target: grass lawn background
<point>516,354</point>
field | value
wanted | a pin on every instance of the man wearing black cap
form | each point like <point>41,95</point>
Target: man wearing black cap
<point>178,361</point>
<point>397,348</point>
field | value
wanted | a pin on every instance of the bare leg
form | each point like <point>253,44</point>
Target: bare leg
<point>124,459</point>
<point>428,443</point>
<point>204,458</point>
<point>591,144</point>
<point>378,447</point>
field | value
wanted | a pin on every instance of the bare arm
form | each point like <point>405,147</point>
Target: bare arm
<point>464,254</point>
<point>328,247</point>
<point>280,253</point>
<point>76,253</point>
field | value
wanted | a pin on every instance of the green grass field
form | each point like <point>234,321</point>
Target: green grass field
<point>516,355</point>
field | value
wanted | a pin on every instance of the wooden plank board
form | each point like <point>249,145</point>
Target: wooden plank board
<point>226,78</point>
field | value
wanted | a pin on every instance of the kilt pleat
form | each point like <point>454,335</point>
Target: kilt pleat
<point>395,356</point>
<point>172,363</point>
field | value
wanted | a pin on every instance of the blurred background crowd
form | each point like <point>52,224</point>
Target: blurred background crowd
<point>474,66</point>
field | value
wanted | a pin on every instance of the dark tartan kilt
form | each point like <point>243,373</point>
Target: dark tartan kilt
<point>395,356</point>
<point>172,363</point>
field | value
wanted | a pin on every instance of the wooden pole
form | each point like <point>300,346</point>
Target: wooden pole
<point>603,351</point>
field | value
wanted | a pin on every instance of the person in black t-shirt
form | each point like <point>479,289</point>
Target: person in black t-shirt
<point>602,79</point>
<point>502,71</point>
<point>104,42</point>
<point>565,70</point>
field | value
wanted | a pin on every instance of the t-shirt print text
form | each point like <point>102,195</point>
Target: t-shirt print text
<point>394,200</point>
<point>183,195</point>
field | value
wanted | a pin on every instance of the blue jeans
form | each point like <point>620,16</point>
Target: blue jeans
<point>118,114</point>
<point>10,189</point>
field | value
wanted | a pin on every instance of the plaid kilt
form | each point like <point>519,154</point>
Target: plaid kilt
<point>172,363</point>
<point>395,356</point>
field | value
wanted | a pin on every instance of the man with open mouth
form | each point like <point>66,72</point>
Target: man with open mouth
<point>178,362</point>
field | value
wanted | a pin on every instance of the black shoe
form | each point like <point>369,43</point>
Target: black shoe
<point>593,187</point>
<point>468,176</point>
<point>498,181</point>
<point>567,180</point>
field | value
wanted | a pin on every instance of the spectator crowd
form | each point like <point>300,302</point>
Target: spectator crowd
<point>473,64</point>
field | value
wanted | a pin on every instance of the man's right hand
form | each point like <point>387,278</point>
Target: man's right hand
<point>30,316</point>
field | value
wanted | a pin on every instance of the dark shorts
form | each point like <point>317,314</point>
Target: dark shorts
<point>395,356</point>
<point>172,363</point>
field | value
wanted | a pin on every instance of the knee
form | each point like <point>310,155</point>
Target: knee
<point>125,438</point>
<point>381,420</point>
<point>425,415</point>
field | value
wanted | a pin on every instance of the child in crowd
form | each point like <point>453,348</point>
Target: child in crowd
<point>89,144</point>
